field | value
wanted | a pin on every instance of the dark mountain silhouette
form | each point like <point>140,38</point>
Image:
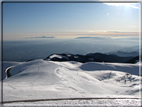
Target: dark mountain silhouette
<point>134,60</point>
<point>124,54</point>
<point>97,38</point>
<point>92,57</point>
<point>44,37</point>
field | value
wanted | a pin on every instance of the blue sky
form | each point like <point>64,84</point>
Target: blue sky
<point>69,20</point>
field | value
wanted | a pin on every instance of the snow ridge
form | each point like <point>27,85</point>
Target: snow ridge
<point>41,79</point>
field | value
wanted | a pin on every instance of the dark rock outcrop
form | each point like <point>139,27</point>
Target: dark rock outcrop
<point>92,57</point>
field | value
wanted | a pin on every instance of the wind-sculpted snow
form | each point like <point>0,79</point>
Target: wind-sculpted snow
<point>41,79</point>
<point>128,68</point>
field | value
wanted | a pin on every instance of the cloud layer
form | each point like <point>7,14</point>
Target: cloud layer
<point>133,5</point>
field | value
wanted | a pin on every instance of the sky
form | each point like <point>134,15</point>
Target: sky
<point>70,20</point>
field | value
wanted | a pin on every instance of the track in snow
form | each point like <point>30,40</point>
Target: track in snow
<point>56,99</point>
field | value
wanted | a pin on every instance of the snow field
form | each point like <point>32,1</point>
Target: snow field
<point>40,79</point>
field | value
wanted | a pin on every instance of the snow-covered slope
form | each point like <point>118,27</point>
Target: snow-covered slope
<point>9,64</point>
<point>40,79</point>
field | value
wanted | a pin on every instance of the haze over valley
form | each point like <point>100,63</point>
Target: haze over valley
<point>40,49</point>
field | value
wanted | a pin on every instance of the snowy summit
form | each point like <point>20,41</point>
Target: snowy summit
<point>41,79</point>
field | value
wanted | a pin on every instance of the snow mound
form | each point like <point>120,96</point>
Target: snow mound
<point>95,66</point>
<point>58,56</point>
<point>49,79</point>
<point>61,57</point>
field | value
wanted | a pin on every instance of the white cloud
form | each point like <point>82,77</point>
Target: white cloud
<point>133,5</point>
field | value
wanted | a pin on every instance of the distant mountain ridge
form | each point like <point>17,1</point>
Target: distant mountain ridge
<point>97,38</point>
<point>124,54</point>
<point>91,57</point>
<point>134,60</point>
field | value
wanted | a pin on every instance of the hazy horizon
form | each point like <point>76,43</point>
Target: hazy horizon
<point>70,20</point>
<point>38,48</point>
<point>36,30</point>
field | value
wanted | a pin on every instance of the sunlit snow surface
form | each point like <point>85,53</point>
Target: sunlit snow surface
<point>40,79</point>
